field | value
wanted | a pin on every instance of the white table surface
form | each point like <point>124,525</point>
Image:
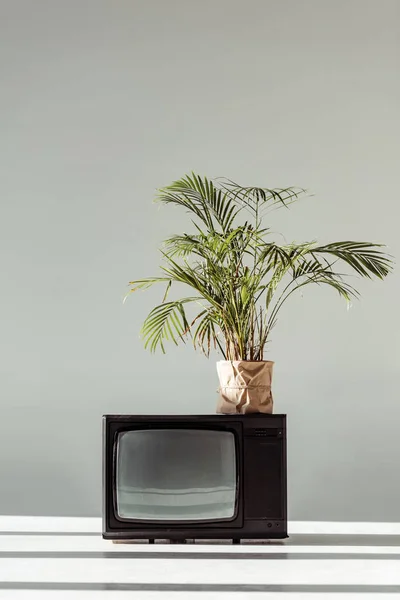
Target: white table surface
<point>66,558</point>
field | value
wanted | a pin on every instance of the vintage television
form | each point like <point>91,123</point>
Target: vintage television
<point>194,477</point>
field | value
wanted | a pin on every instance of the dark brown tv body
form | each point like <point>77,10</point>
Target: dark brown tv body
<point>261,507</point>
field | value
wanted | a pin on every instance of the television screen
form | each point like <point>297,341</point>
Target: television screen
<point>176,475</point>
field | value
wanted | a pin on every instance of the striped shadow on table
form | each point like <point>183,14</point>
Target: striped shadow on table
<point>157,555</point>
<point>20,551</point>
<point>194,587</point>
<point>308,539</point>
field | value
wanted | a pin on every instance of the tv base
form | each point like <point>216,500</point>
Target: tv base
<point>234,541</point>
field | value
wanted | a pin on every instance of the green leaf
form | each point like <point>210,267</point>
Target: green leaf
<point>166,322</point>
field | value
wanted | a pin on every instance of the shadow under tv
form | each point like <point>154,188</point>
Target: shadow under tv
<point>185,477</point>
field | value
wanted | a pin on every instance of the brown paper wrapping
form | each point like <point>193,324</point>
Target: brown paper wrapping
<point>245,386</point>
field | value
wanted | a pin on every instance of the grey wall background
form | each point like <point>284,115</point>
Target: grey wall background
<point>102,102</point>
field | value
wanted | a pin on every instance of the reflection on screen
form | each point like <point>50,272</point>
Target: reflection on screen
<point>176,474</point>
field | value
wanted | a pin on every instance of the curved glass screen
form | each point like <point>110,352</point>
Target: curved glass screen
<point>176,475</point>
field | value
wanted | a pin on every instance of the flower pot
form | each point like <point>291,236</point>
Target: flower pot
<point>245,386</point>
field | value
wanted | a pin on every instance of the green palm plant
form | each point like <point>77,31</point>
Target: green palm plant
<point>239,277</point>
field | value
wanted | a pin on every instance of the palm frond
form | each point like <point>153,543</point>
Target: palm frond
<point>207,332</point>
<point>253,196</point>
<point>166,321</point>
<point>184,245</point>
<point>143,284</point>
<point>200,196</point>
<point>363,257</point>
